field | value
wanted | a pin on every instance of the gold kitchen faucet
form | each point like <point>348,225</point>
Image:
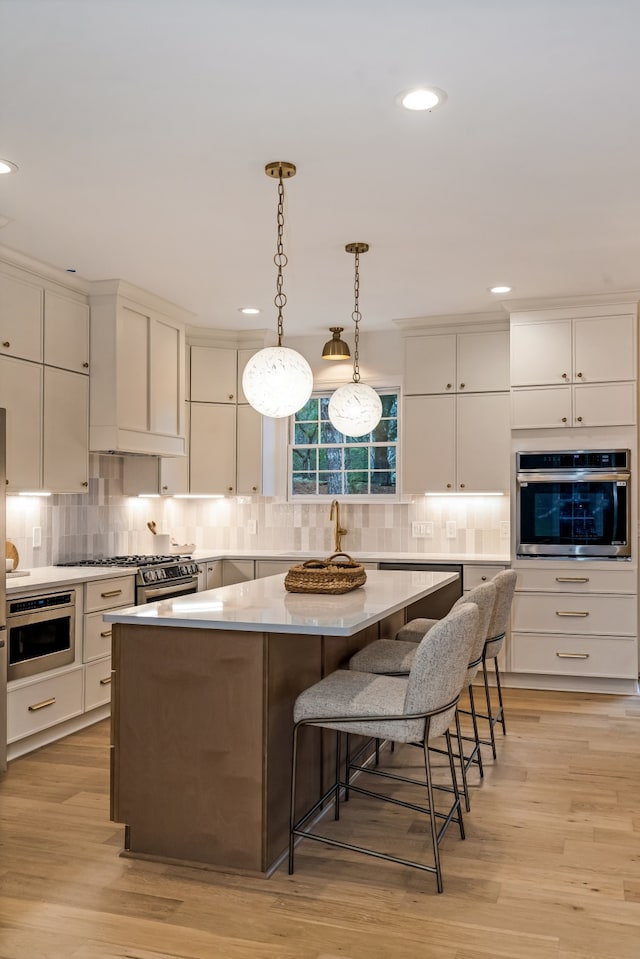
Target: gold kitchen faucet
<point>340,531</point>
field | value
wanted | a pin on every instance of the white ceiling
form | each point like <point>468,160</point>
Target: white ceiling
<point>142,127</point>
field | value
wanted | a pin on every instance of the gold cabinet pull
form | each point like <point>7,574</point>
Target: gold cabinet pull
<point>579,375</point>
<point>571,612</point>
<point>106,633</point>
<point>448,384</point>
<point>6,344</point>
<point>564,376</point>
<point>572,655</point>
<point>579,419</point>
<point>462,386</point>
<point>111,592</point>
<point>105,681</point>
<point>572,579</point>
<point>45,702</point>
<point>85,366</point>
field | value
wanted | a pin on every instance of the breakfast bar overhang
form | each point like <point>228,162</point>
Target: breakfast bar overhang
<point>203,689</point>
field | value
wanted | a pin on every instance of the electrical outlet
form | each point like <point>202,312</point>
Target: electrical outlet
<point>428,530</point>
<point>37,536</point>
<point>504,529</point>
<point>451,529</point>
<point>418,530</point>
<point>252,527</point>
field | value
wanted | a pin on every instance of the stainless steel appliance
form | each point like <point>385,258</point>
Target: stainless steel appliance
<point>3,626</point>
<point>158,577</point>
<point>41,632</point>
<point>574,503</point>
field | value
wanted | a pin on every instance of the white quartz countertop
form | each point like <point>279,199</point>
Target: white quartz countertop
<point>263,605</point>
<point>51,577</point>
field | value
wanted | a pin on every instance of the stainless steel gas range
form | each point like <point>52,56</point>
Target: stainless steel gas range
<point>157,577</point>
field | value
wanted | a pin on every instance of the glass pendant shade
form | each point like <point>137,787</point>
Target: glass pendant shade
<point>277,381</point>
<point>355,409</point>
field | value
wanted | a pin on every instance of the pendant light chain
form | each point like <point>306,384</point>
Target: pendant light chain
<point>356,316</point>
<point>280,260</point>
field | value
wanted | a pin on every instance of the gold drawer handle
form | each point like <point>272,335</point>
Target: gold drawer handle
<point>572,579</point>
<point>572,655</point>
<point>105,682</point>
<point>45,702</point>
<point>570,612</point>
<point>106,633</point>
<point>111,592</point>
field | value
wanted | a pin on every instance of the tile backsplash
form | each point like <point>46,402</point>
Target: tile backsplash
<point>105,522</point>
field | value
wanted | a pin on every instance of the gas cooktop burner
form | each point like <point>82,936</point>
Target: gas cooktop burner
<point>144,560</point>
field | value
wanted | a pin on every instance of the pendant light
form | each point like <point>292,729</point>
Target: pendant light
<point>278,381</point>
<point>335,348</point>
<point>355,409</point>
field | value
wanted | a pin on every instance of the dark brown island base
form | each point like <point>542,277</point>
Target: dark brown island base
<point>203,693</point>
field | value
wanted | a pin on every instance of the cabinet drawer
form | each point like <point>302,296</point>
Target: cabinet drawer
<point>582,579</point>
<point>473,576</point>
<point>97,683</point>
<point>574,655</point>
<point>569,613</point>
<point>97,637</point>
<point>44,703</point>
<point>107,593</point>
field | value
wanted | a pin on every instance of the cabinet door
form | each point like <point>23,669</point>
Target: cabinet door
<point>174,470</point>
<point>430,364</point>
<point>21,395</point>
<point>212,451</point>
<point>236,571</point>
<point>541,353</point>
<point>484,443</point>
<point>542,408</point>
<point>20,319</point>
<point>604,349</point>
<point>66,431</point>
<point>66,332</point>
<point>132,362</point>
<point>213,574</point>
<point>249,453</point>
<point>166,378</point>
<point>604,404</point>
<point>428,459</point>
<point>213,375</point>
<point>483,362</point>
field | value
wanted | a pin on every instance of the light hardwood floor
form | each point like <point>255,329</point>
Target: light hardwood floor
<point>550,868</point>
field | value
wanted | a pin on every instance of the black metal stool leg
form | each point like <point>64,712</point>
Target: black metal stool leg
<point>489,709</point>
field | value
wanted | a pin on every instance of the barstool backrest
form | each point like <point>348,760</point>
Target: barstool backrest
<point>505,584</point>
<point>440,665</point>
<point>484,596</point>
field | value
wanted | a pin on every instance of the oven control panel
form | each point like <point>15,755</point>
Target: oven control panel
<point>161,574</point>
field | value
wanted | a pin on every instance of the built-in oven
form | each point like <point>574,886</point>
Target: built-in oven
<point>40,633</point>
<point>573,503</point>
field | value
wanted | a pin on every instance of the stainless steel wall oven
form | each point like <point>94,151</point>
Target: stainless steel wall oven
<point>574,503</point>
<point>40,633</point>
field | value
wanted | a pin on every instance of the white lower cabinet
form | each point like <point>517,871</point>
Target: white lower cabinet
<point>100,595</point>
<point>97,683</point>
<point>237,571</point>
<point>44,703</point>
<point>575,622</point>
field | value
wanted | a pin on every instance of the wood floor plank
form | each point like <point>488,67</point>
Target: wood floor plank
<point>550,868</point>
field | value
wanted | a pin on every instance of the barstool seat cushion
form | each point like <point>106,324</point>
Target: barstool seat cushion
<point>385,656</point>
<point>414,630</point>
<point>350,693</point>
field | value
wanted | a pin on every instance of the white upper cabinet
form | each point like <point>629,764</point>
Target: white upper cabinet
<point>137,372</point>
<point>21,317</point>
<point>21,396</point>
<point>457,362</point>
<point>213,375</point>
<point>249,451</point>
<point>572,349</point>
<point>66,428</point>
<point>212,451</point>
<point>66,331</point>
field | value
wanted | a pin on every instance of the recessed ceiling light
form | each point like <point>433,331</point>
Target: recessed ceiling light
<point>422,98</point>
<point>248,310</point>
<point>500,289</point>
<point>6,166</point>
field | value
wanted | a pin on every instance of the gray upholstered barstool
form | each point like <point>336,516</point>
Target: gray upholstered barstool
<point>417,708</point>
<point>395,656</point>
<point>505,583</point>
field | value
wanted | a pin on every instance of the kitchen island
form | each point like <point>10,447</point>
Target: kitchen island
<point>202,703</point>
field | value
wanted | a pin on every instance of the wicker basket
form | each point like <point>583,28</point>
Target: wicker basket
<point>329,575</point>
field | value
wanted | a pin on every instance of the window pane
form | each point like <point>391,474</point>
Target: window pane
<point>386,431</point>
<point>324,407</point>
<point>359,439</point>
<point>382,457</point>
<point>356,458</point>
<point>305,433</point>
<point>305,459</point>
<point>331,458</point>
<point>383,482</point>
<point>357,483</point>
<point>309,411</point>
<point>329,434</point>
<point>389,404</point>
<point>330,483</point>
<point>304,483</point>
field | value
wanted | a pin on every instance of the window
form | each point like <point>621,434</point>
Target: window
<point>324,462</point>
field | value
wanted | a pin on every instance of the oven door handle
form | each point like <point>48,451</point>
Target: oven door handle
<point>573,476</point>
<point>152,593</point>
